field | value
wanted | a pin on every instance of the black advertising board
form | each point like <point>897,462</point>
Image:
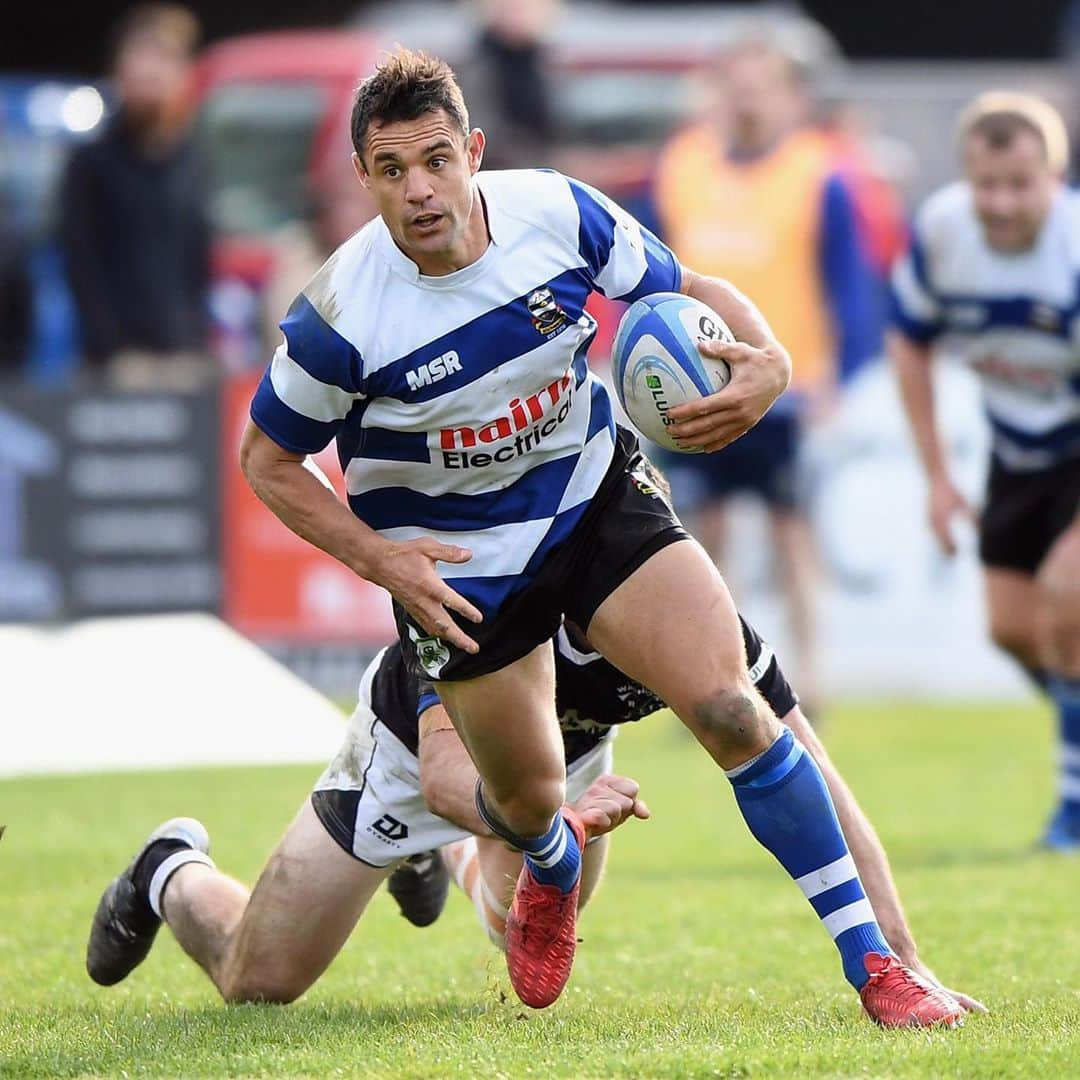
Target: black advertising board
<point>109,503</point>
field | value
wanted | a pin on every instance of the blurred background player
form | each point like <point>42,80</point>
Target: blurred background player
<point>752,195</point>
<point>993,275</point>
<point>133,216</point>
<point>506,80</point>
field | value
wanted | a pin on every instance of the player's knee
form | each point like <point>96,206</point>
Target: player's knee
<point>1017,639</point>
<point>242,987</point>
<point>728,722</point>
<point>1063,626</point>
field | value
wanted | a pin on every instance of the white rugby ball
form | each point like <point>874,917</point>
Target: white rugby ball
<point>657,365</point>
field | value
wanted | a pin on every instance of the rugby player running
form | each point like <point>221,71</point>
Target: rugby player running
<point>443,347</point>
<point>993,276</point>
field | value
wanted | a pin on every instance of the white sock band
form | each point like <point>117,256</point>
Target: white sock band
<point>168,867</point>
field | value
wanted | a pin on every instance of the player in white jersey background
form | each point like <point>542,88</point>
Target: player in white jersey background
<point>443,347</point>
<point>993,275</point>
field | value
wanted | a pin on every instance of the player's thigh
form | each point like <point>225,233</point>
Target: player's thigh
<point>303,908</point>
<point>508,724</point>
<point>1016,612</point>
<point>672,626</point>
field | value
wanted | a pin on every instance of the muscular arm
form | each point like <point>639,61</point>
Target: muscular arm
<point>760,369</point>
<point>912,361</point>
<point>315,513</point>
<point>447,774</point>
<point>448,783</point>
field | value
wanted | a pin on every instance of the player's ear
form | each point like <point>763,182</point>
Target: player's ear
<point>474,148</point>
<point>358,168</point>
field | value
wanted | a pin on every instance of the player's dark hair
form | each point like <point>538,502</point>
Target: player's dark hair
<point>406,86</point>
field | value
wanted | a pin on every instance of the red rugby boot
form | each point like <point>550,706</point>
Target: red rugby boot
<point>896,997</point>
<point>541,932</point>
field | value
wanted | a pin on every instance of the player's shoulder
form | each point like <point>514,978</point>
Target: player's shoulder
<point>349,271</point>
<point>541,198</point>
<point>945,220</point>
<point>947,210</point>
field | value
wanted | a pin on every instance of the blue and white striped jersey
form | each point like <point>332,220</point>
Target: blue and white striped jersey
<point>1013,317</point>
<point>463,405</point>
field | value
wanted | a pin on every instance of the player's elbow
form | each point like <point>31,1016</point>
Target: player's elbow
<point>250,455</point>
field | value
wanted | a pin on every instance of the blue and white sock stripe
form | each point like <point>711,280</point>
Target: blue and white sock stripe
<point>553,852</point>
<point>858,913</point>
<point>837,896</point>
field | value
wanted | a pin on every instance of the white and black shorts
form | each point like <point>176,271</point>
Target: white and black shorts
<point>369,797</point>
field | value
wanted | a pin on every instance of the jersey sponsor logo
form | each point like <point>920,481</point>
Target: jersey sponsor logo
<point>528,422</point>
<point>547,315</point>
<point>434,370</point>
<point>1038,381</point>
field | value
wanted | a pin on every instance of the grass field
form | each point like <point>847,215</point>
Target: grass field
<point>699,957</point>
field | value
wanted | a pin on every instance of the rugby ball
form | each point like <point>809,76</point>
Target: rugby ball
<point>656,363</point>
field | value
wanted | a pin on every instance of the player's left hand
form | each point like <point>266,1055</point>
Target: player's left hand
<point>967,1003</point>
<point>758,378</point>
<point>608,802</point>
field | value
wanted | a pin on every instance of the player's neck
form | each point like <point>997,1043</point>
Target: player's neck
<point>471,246</point>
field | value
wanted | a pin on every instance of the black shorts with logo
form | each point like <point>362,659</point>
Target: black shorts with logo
<point>627,521</point>
<point>1025,513</point>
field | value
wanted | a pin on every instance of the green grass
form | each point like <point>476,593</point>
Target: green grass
<point>699,957</point>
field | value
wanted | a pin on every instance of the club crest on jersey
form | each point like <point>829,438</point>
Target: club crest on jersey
<point>1045,317</point>
<point>431,653</point>
<point>547,315</point>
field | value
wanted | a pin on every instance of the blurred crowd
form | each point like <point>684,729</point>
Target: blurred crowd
<point>128,257</point>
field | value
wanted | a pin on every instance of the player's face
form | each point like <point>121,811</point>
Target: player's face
<point>419,173</point>
<point>1013,187</point>
<point>758,96</point>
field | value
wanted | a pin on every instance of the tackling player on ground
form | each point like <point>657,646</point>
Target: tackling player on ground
<point>367,813</point>
<point>444,348</point>
<point>993,275</point>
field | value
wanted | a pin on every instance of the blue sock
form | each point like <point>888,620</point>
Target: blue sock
<point>784,800</point>
<point>553,859</point>
<point>1066,695</point>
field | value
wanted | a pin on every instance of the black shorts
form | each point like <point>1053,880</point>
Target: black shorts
<point>1025,513</point>
<point>627,521</point>
<point>762,462</point>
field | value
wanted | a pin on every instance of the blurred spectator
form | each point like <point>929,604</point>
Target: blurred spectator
<point>754,196</point>
<point>505,81</point>
<point>133,215</point>
<point>16,301</point>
